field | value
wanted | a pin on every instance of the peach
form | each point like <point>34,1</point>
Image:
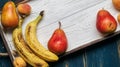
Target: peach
<point>24,8</point>
<point>116,4</point>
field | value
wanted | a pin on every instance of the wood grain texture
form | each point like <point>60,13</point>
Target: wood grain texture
<point>73,60</point>
<point>4,61</point>
<point>103,55</point>
<point>2,2</point>
<point>77,21</point>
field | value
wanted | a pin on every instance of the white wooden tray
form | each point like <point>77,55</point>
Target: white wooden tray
<point>78,19</point>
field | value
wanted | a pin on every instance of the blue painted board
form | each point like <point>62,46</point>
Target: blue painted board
<point>4,61</point>
<point>2,2</point>
<point>104,54</point>
<point>73,60</point>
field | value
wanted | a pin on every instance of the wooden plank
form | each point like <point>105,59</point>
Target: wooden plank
<point>103,54</point>
<point>73,17</point>
<point>118,42</point>
<point>77,19</point>
<point>73,60</point>
<point>4,60</point>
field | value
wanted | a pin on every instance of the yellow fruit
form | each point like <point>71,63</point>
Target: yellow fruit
<point>19,62</point>
<point>118,17</point>
<point>116,4</point>
<point>24,51</point>
<point>9,16</point>
<point>34,44</point>
<point>24,8</point>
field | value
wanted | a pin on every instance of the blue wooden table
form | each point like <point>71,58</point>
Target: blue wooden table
<point>102,54</point>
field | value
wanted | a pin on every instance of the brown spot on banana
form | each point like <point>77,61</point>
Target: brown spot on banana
<point>29,30</point>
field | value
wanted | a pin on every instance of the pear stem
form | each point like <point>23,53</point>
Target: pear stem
<point>20,22</point>
<point>102,8</point>
<point>59,24</point>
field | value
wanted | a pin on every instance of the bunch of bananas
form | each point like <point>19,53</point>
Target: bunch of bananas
<point>31,50</point>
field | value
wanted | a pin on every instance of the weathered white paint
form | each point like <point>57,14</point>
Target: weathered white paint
<point>78,19</point>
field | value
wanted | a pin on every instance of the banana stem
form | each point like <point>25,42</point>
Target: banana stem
<point>39,17</point>
<point>42,13</point>
<point>22,17</point>
<point>20,22</point>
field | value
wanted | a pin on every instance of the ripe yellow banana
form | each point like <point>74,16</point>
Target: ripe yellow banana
<point>34,44</point>
<point>23,49</point>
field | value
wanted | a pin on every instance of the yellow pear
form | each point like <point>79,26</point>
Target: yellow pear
<point>9,16</point>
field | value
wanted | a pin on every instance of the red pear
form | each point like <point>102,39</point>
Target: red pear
<point>58,41</point>
<point>105,22</point>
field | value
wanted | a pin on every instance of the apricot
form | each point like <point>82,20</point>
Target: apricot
<point>118,17</point>
<point>24,8</point>
<point>116,4</point>
<point>19,62</point>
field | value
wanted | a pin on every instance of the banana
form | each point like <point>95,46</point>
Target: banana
<point>34,44</point>
<point>24,51</point>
